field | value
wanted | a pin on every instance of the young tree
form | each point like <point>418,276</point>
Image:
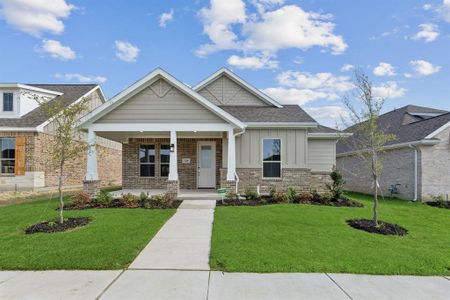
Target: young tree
<point>368,138</point>
<point>66,138</point>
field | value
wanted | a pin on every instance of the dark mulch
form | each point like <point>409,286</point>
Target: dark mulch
<point>55,226</point>
<point>117,203</point>
<point>267,200</point>
<point>439,204</point>
<point>382,228</point>
<point>328,202</point>
<point>241,202</point>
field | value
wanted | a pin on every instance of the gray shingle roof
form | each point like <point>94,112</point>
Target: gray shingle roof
<point>71,92</point>
<point>323,129</point>
<point>287,113</point>
<point>406,123</point>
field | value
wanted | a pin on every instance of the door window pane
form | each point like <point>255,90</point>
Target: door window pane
<point>206,156</point>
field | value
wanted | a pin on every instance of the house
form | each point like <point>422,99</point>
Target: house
<point>416,165</point>
<point>25,132</point>
<point>221,133</point>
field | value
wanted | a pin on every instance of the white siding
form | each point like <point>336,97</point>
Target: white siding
<point>160,103</point>
<point>321,155</point>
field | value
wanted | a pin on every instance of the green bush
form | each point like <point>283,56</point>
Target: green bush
<point>305,197</point>
<point>103,199</point>
<point>336,188</point>
<point>143,196</point>
<point>130,200</point>
<point>160,201</point>
<point>272,191</point>
<point>280,197</point>
<point>232,196</point>
<point>291,194</point>
<point>250,194</point>
<point>440,200</point>
<point>81,200</point>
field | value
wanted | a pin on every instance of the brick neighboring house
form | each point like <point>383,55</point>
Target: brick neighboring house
<point>25,132</point>
<point>417,163</point>
<point>221,133</point>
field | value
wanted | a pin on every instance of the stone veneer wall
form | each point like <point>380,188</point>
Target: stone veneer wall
<point>398,168</point>
<point>187,172</point>
<point>299,179</point>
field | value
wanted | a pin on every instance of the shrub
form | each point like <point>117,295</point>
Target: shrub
<point>250,194</point>
<point>336,188</point>
<point>280,197</point>
<point>143,196</point>
<point>305,197</point>
<point>272,191</point>
<point>103,199</point>
<point>130,200</point>
<point>440,200</point>
<point>291,194</point>
<point>232,196</point>
<point>328,196</point>
<point>81,200</point>
<point>160,201</point>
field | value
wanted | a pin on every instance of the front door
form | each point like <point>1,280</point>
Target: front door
<point>206,165</point>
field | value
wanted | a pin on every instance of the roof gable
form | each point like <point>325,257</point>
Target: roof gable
<point>226,88</point>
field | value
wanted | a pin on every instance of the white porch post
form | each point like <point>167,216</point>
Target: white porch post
<point>173,165</point>
<point>231,167</point>
<point>91,170</point>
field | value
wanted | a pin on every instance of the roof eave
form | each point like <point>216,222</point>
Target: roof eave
<point>281,124</point>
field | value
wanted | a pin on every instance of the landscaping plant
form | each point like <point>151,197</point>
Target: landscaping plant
<point>250,194</point>
<point>291,194</point>
<point>103,199</point>
<point>336,188</point>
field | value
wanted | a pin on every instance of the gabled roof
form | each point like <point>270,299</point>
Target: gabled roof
<point>409,124</point>
<point>287,113</point>
<point>68,93</point>
<point>224,71</point>
<point>144,83</point>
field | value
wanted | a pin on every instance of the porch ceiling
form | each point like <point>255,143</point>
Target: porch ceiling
<point>121,137</point>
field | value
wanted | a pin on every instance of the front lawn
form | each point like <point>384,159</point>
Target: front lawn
<point>308,238</point>
<point>111,241</point>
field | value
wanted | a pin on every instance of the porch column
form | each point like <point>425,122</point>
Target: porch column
<point>91,183</point>
<point>231,167</point>
<point>173,166</point>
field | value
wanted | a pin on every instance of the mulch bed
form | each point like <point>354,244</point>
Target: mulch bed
<point>55,226</point>
<point>382,228</point>
<point>439,204</point>
<point>118,204</point>
<point>328,202</point>
<point>267,200</point>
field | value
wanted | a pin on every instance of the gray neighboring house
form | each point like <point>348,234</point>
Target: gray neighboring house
<point>221,133</point>
<point>417,163</point>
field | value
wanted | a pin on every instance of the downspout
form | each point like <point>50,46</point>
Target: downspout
<point>415,171</point>
<point>235,172</point>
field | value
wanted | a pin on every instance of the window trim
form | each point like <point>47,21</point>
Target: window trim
<point>280,161</point>
<point>9,159</point>
<point>13,111</point>
<point>160,161</point>
<point>149,163</point>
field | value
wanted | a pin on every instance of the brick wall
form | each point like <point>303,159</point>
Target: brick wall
<point>298,178</point>
<point>187,172</point>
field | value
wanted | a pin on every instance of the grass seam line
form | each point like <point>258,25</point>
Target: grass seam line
<point>109,285</point>
<point>350,297</point>
<point>207,289</point>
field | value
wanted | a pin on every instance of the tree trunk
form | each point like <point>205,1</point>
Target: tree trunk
<point>60,193</point>
<point>375,201</point>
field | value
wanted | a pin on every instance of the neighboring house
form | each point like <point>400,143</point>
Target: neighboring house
<point>25,132</point>
<point>416,165</point>
<point>221,133</point>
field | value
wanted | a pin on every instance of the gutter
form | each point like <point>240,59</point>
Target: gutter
<point>235,173</point>
<point>424,142</point>
<point>415,170</point>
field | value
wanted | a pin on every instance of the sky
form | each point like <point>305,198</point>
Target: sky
<point>298,52</point>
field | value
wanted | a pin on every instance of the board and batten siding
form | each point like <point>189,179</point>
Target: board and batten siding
<point>249,148</point>
<point>321,155</point>
<point>160,103</point>
<point>225,91</point>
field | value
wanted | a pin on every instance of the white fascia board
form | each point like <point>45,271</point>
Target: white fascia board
<point>29,87</point>
<point>331,135</point>
<point>236,78</point>
<point>424,142</point>
<point>147,81</point>
<point>97,87</point>
<point>437,131</point>
<point>159,127</point>
<point>281,124</point>
<point>19,129</point>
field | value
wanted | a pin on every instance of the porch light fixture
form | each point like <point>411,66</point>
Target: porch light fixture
<point>172,148</point>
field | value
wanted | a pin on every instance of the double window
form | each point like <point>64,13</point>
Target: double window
<point>7,155</point>
<point>147,156</point>
<point>8,102</point>
<point>271,158</point>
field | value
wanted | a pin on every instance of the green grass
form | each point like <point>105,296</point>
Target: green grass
<point>111,241</point>
<point>307,238</point>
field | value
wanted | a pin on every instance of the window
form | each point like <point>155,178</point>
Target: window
<point>164,154</point>
<point>271,158</point>
<point>8,104</point>
<point>7,155</point>
<point>147,160</point>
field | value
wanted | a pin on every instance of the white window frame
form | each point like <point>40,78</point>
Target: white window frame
<point>5,159</point>
<point>280,161</point>
<point>147,163</point>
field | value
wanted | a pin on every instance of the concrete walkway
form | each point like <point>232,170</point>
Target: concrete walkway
<point>174,265</point>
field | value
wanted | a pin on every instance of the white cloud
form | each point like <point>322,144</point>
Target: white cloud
<point>324,81</point>
<point>263,5</point>
<point>444,10</point>
<point>297,96</point>
<point>384,69</point>
<point>252,62</point>
<point>165,18</point>
<point>268,31</point>
<point>36,16</point>
<point>407,75</point>
<point>56,50</point>
<point>328,115</point>
<point>80,78</point>
<point>429,32</point>
<point>347,67</point>
<point>427,6</point>
<point>126,51</point>
<point>390,90</point>
<point>424,68</point>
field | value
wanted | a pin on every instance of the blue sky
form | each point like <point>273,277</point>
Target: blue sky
<point>298,52</point>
